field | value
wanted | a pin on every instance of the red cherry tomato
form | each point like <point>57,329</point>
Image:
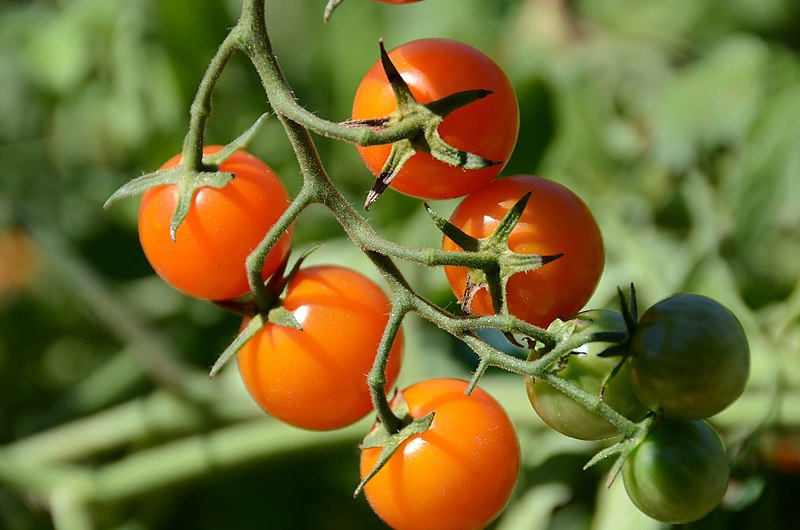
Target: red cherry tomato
<point>458,474</point>
<point>555,221</point>
<point>433,69</point>
<point>317,378</point>
<point>207,258</point>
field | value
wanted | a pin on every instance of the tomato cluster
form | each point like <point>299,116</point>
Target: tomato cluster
<point>685,360</point>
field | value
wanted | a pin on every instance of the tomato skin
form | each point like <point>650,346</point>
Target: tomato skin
<point>555,221</point>
<point>457,475</point>
<point>207,258</point>
<point>317,378</point>
<point>433,69</point>
<point>586,369</point>
<point>690,357</point>
<point>679,473</point>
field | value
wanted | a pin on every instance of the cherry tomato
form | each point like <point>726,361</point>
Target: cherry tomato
<point>555,221</point>
<point>588,371</point>
<point>679,473</point>
<point>689,357</point>
<point>207,258</point>
<point>458,474</point>
<point>317,378</point>
<point>433,69</point>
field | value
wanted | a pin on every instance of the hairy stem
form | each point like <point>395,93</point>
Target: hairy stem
<point>200,109</point>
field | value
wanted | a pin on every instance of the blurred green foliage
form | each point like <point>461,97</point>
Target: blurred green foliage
<point>676,120</point>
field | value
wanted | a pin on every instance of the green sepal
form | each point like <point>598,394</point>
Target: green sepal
<point>623,449</point>
<point>391,442</point>
<point>402,93</point>
<point>139,185</point>
<point>255,324</point>
<point>458,236</point>
<point>277,283</point>
<point>510,220</point>
<point>399,154</point>
<point>280,316</point>
<point>240,142</point>
<point>444,106</point>
<point>483,365</point>
<point>187,187</point>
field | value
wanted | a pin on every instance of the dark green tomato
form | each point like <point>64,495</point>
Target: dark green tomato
<point>689,357</point>
<point>588,371</point>
<point>679,473</point>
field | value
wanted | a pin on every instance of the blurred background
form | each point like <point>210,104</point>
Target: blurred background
<point>675,120</point>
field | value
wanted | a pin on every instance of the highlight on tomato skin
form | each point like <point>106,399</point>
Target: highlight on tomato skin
<point>207,258</point>
<point>317,378</point>
<point>457,475</point>
<point>555,221</point>
<point>433,69</point>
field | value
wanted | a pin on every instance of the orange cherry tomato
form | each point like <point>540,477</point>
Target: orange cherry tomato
<point>555,221</point>
<point>317,378</point>
<point>433,69</point>
<point>457,475</point>
<point>207,258</point>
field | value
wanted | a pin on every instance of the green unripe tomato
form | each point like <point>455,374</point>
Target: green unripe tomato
<point>690,357</point>
<point>679,472</point>
<point>587,370</point>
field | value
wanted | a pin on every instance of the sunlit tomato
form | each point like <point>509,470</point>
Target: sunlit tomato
<point>207,259</point>
<point>679,473</point>
<point>433,69</point>
<point>317,378</point>
<point>555,221</point>
<point>458,474</point>
<point>690,357</point>
<point>588,371</point>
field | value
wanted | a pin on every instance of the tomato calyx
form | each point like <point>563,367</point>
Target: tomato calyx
<point>501,262</point>
<point>390,442</point>
<point>187,179</point>
<point>273,312</point>
<point>624,447</point>
<point>424,120</point>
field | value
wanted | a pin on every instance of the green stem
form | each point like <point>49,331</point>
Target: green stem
<point>258,257</point>
<point>377,375</point>
<point>200,109</point>
<point>319,188</point>
<point>256,44</point>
